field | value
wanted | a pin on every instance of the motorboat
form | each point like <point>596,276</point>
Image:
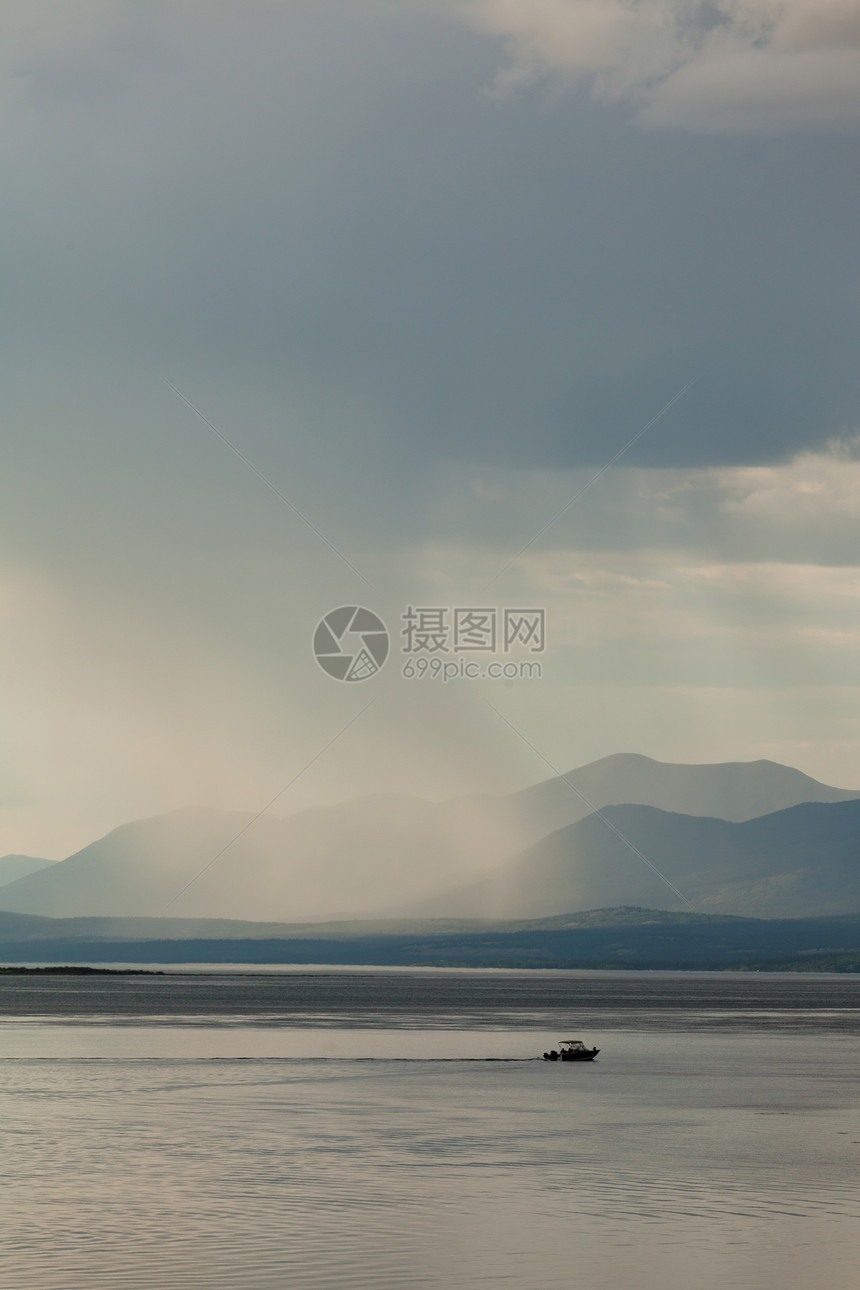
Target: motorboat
<point>571,1050</point>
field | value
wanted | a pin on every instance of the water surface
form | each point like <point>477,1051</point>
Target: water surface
<point>347,1130</point>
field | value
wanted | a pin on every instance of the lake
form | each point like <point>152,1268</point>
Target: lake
<point>344,1128</point>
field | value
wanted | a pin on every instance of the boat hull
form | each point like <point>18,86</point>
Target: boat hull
<point>587,1056</point>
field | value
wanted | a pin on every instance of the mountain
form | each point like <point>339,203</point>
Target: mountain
<point>346,861</point>
<point>804,861</point>
<point>14,867</point>
<point>390,854</point>
<point>725,790</point>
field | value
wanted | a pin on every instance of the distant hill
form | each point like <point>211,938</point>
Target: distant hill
<point>14,867</point>
<point>801,861</point>
<point>623,937</point>
<point>394,854</point>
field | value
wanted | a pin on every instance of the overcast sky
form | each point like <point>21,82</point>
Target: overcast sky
<point>428,268</point>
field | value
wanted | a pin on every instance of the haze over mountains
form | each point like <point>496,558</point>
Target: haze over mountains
<point>346,861</point>
<point>804,861</point>
<point>14,867</point>
<point>734,838</point>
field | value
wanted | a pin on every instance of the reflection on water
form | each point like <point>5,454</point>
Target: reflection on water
<point>250,1155</point>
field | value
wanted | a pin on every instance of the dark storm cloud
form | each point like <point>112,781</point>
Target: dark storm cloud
<point>324,204</point>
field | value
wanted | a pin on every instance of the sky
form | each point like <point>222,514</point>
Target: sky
<point>506,304</point>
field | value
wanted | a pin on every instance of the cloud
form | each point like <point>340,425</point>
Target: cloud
<point>761,91</point>
<point>331,219</point>
<point>720,66</point>
<point>804,510</point>
<point>813,486</point>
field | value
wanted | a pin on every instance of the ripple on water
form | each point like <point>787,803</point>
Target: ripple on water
<point>663,1166</point>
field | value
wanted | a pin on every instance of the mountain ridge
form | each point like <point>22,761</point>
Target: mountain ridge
<point>391,853</point>
<point>768,866</point>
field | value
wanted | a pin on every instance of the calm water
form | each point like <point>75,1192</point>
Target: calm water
<point>345,1129</point>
